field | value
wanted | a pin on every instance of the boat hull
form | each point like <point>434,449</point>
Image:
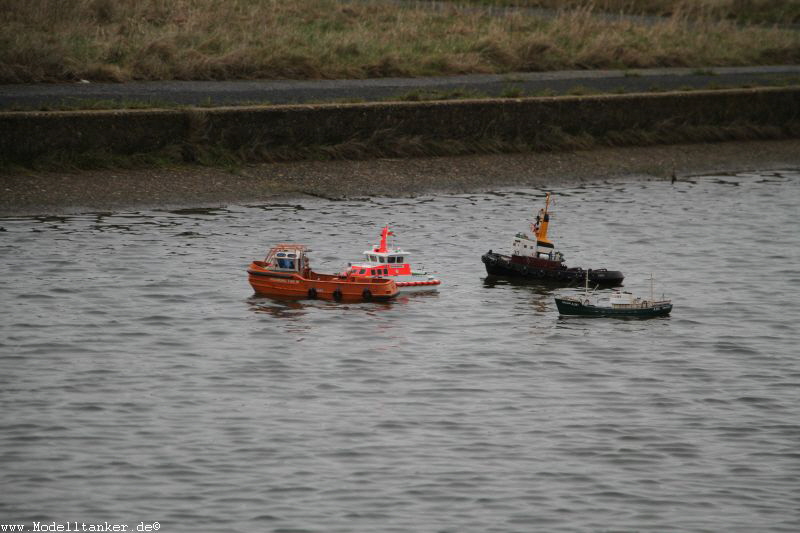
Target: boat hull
<point>571,307</point>
<point>409,282</point>
<point>418,286</point>
<point>416,283</point>
<point>322,286</point>
<point>503,265</point>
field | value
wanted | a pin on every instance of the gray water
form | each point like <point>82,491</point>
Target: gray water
<point>141,380</point>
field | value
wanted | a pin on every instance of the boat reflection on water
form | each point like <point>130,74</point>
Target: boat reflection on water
<point>541,293</point>
<point>279,308</point>
<point>291,308</point>
<point>537,286</point>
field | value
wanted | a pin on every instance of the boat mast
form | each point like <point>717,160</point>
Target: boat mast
<point>542,221</point>
<point>384,234</point>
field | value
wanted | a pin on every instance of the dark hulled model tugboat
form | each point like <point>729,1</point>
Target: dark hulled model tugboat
<point>535,258</point>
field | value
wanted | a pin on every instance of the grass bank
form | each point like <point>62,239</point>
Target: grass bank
<point>121,40</point>
<point>742,11</point>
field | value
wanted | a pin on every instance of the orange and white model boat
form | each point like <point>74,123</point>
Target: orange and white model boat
<point>391,263</point>
<point>286,272</point>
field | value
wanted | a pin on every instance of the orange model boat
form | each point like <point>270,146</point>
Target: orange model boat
<point>389,262</point>
<point>286,272</point>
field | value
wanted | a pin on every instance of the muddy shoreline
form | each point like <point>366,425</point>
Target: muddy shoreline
<point>49,193</point>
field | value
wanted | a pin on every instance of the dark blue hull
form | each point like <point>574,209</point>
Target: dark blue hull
<point>573,308</point>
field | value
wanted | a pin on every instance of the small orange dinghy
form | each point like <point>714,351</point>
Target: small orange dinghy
<point>286,272</point>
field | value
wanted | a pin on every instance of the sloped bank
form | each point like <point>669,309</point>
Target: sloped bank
<point>362,131</point>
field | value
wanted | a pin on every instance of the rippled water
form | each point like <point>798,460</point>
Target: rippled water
<point>142,381</point>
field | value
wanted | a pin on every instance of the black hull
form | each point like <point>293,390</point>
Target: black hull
<point>573,308</point>
<point>501,265</point>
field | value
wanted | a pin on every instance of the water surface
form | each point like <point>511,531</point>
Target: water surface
<point>141,379</point>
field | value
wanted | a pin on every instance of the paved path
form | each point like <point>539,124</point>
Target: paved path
<point>220,93</point>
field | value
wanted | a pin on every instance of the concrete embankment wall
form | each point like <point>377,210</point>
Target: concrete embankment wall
<point>406,128</point>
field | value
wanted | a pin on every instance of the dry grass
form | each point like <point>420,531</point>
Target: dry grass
<point>120,40</point>
<point>744,11</point>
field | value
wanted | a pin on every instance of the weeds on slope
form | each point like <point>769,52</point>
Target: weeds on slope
<point>122,40</point>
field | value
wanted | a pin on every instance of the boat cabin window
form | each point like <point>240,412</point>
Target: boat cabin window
<point>285,260</point>
<point>285,263</point>
<point>399,258</point>
<point>362,271</point>
<point>373,258</point>
<point>391,259</point>
<point>381,259</point>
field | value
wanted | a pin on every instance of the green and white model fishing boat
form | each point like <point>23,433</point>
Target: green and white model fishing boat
<point>619,304</point>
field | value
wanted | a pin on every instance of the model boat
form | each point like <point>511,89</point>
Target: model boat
<point>534,257</point>
<point>286,272</point>
<point>392,262</point>
<point>620,304</point>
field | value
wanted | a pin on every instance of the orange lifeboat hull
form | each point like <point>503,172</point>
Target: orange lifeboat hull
<point>313,285</point>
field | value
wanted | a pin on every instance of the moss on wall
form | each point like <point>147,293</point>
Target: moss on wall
<point>403,128</point>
